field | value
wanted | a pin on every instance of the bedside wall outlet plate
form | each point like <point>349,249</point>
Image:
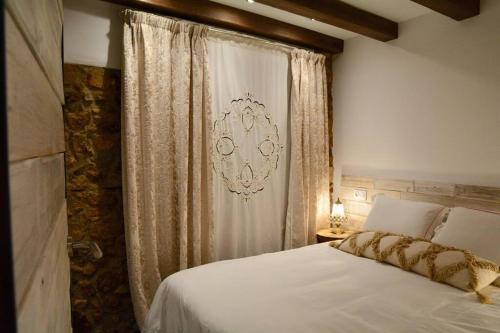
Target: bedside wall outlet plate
<point>360,194</point>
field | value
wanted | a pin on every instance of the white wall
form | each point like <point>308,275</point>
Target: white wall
<point>92,33</point>
<point>425,106</point>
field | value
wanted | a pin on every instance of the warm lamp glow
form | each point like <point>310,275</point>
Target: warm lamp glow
<point>337,217</point>
<point>338,209</point>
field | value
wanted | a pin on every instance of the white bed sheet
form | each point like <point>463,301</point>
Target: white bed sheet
<point>314,289</point>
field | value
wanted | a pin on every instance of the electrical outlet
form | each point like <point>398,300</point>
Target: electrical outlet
<point>360,194</point>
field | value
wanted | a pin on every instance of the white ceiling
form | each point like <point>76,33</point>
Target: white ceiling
<point>395,10</point>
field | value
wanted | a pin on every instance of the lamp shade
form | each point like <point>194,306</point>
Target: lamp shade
<point>338,209</point>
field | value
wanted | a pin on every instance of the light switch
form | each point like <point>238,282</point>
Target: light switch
<point>360,194</point>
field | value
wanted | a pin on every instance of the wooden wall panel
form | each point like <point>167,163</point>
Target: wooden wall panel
<point>46,306</point>
<point>34,112</point>
<point>37,175</point>
<point>348,193</point>
<point>358,194</point>
<point>434,188</point>
<point>357,208</point>
<point>41,24</point>
<point>478,192</point>
<point>444,200</point>
<point>37,198</point>
<point>373,193</point>
<point>25,231</point>
<point>355,222</point>
<point>394,185</point>
<point>360,182</point>
<point>485,205</point>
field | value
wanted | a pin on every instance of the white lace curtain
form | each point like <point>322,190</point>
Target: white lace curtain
<point>250,102</point>
<point>167,178</point>
<point>169,136</point>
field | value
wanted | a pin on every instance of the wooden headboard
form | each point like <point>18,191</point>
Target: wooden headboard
<point>358,193</point>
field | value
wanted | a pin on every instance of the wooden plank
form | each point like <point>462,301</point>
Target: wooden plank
<point>425,187</point>
<point>7,283</point>
<point>38,204</point>
<point>342,15</point>
<point>23,196</point>
<point>363,195</point>
<point>449,195</point>
<point>46,307</point>
<point>37,195</point>
<point>478,192</point>
<point>394,185</point>
<point>456,9</point>
<point>223,16</point>
<point>437,199</point>
<point>354,222</point>
<point>357,182</point>
<point>349,193</point>
<point>488,206</point>
<point>35,118</point>
<point>41,25</point>
<point>51,189</point>
<point>373,193</point>
<point>357,208</point>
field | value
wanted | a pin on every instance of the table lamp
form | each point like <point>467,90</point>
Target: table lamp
<point>337,217</point>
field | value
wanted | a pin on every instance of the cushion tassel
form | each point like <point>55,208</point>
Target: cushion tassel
<point>483,298</point>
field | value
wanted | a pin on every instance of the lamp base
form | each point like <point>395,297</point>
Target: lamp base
<point>335,225</point>
<point>337,230</point>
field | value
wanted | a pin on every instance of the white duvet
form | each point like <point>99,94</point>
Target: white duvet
<point>314,289</point>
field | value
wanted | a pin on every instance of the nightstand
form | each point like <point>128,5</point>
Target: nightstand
<point>327,235</point>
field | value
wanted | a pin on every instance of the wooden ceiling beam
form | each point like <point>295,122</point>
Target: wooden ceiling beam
<point>456,9</point>
<point>227,17</point>
<point>341,15</point>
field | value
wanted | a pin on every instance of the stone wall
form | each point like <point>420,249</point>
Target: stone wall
<point>100,295</point>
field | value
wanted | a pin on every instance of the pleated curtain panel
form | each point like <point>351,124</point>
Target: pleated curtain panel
<point>166,156</point>
<point>309,185</point>
<point>168,152</point>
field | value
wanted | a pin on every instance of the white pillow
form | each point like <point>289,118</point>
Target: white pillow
<point>473,230</point>
<point>405,217</point>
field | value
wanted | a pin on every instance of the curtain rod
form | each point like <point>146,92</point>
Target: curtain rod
<point>222,31</point>
<point>274,43</point>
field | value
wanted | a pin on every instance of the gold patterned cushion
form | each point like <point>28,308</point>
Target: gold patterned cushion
<point>456,267</point>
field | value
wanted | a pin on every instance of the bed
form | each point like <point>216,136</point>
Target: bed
<point>314,289</point>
